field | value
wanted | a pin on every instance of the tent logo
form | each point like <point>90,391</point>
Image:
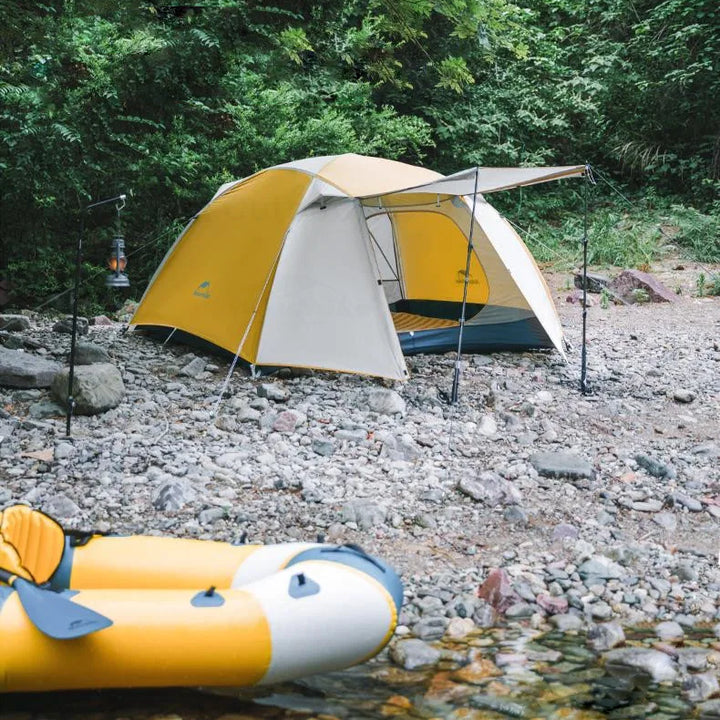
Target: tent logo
<point>461,278</point>
<point>203,290</point>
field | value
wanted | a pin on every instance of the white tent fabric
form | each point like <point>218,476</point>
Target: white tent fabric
<point>493,179</point>
<point>326,271</point>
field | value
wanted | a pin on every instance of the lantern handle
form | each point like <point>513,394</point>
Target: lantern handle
<point>120,207</point>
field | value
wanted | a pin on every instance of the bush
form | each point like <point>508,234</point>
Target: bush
<point>698,234</point>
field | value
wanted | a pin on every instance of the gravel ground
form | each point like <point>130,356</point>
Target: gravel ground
<point>591,508</point>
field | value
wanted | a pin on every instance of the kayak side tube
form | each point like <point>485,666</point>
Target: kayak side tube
<point>325,611</point>
<point>145,561</point>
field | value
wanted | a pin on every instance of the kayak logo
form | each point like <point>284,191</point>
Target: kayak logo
<point>203,290</point>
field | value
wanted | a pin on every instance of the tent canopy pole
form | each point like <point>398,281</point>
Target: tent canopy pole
<point>456,376</point>
<point>584,387</point>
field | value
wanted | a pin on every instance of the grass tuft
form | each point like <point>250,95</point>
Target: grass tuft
<point>624,239</point>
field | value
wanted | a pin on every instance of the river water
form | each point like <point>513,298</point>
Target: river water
<point>513,673</point>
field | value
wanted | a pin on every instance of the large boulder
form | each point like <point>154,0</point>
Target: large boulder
<point>23,370</point>
<point>87,353</point>
<point>64,325</point>
<point>412,654</point>
<point>96,388</point>
<point>629,282</point>
<point>14,323</point>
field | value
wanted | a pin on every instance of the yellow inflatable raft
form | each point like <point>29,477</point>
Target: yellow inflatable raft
<point>184,612</point>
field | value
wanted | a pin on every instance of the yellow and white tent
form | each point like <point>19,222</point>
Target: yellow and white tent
<point>345,262</point>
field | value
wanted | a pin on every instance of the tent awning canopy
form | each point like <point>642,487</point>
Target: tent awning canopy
<point>490,180</point>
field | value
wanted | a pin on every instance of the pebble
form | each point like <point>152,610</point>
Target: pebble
<point>683,396</point>
<point>606,636</point>
<point>669,630</point>
<point>561,464</point>
<point>273,391</point>
<point>701,686</point>
<point>61,507</point>
<point>567,622</point>
<point>412,653</point>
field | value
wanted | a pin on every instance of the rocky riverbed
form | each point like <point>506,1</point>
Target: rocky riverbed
<point>526,504</point>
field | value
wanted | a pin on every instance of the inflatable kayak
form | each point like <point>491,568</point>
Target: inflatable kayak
<point>181,612</point>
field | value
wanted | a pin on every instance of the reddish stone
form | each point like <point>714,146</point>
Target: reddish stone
<point>629,280</point>
<point>552,605</point>
<point>443,689</point>
<point>287,421</point>
<point>477,672</point>
<point>497,590</point>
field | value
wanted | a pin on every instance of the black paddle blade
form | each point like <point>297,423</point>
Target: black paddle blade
<point>55,615</point>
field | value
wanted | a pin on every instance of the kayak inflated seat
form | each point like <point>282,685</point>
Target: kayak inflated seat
<point>182,612</point>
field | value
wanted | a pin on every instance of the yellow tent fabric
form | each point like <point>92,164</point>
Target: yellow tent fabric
<point>304,264</point>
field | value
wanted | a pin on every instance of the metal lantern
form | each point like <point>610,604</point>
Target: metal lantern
<point>117,264</point>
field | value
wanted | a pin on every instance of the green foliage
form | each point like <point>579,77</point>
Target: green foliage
<point>698,233</point>
<point>707,285</point>
<point>634,238</point>
<point>167,102</point>
<point>640,295</point>
<point>294,41</point>
<point>604,298</point>
<point>614,238</point>
<point>700,285</point>
<point>454,74</point>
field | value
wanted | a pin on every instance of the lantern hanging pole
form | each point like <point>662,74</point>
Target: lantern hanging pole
<point>76,291</point>
<point>456,376</point>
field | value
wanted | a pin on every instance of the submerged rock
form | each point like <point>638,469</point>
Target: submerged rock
<point>413,653</point>
<point>697,688</point>
<point>606,636</point>
<point>640,664</point>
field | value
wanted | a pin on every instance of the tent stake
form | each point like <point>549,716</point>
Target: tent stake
<point>456,376</point>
